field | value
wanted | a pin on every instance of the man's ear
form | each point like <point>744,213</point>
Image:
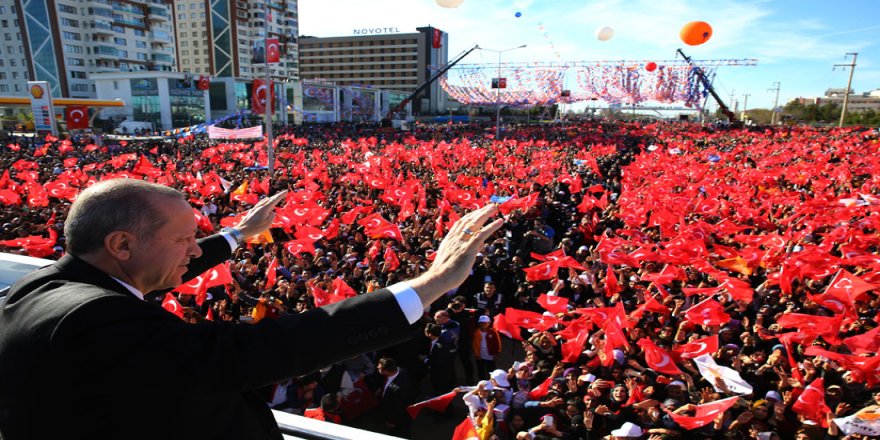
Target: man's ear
<point>119,244</point>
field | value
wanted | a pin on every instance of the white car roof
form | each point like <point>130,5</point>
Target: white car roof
<point>13,267</point>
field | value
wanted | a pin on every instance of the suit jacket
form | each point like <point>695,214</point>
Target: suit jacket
<point>393,402</point>
<point>441,367</point>
<point>81,357</point>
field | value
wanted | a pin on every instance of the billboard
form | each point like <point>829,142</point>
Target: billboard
<point>41,105</point>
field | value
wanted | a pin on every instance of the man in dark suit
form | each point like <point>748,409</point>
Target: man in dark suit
<point>396,393</point>
<point>83,356</point>
<point>439,360</point>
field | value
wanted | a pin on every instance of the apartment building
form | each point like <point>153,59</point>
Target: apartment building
<point>64,40</point>
<point>13,61</point>
<point>389,61</point>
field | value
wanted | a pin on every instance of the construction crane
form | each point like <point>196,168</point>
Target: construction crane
<point>427,83</point>
<point>708,85</point>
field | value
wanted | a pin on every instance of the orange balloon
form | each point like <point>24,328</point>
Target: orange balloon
<point>696,33</point>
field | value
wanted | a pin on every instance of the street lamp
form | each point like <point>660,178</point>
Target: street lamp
<point>498,89</point>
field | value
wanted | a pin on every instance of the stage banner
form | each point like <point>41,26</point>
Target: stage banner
<point>215,132</point>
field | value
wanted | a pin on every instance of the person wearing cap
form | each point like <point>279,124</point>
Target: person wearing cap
<point>477,397</point>
<point>628,430</point>
<point>500,382</point>
<point>486,346</point>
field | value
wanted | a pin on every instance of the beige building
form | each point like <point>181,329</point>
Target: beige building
<point>857,102</point>
<point>385,61</point>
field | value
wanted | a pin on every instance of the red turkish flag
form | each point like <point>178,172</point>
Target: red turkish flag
<point>391,231</point>
<point>437,39</point>
<point>553,303</point>
<point>296,247</point>
<point>37,197</point>
<point>501,324</point>
<point>273,50</point>
<point>529,320</point>
<point>261,91</point>
<point>391,260</point>
<point>77,117</point>
<point>849,285</point>
<point>439,404</point>
<point>9,197</point>
<point>198,286</point>
<point>827,327</point>
<point>650,305</point>
<point>573,348</point>
<point>555,255</point>
<point>811,403</point>
<point>170,303</point>
<point>697,348</point>
<point>271,274</point>
<point>657,358</point>
<point>611,285</point>
<point>544,271</point>
<point>342,289</point>
<point>704,414</point>
<point>538,392</point>
<point>321,296</point>
<point>864,343</point>
<point>708,312</point>
<point>204,83</point>
<point>203,222</point>
<point>358,401</point>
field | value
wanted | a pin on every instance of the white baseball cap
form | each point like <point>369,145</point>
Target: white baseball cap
<point>628,430</point>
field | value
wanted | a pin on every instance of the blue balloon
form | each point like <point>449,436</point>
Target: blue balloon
<point>518,14</point>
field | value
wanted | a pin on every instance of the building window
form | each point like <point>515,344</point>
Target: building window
<point>76,61</point>
<point>181,16</point>
<point>120,41</point>
<point>139,33</point>
<point>4,88</point>
<point>77,75</point>
<point>70,36</point>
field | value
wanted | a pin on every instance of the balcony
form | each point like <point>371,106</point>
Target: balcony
<point>158,14</point>
<point>162,58</point>
<point>101,12</point>
<point>121,7</point>
<point>102,27</point>
<point>139,22</point>
<point>106,52</point>
<point>161,37</point>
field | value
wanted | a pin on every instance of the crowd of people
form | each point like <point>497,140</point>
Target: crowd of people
<point>651,280</point>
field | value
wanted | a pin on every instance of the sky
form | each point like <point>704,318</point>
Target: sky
<point>796,42</point>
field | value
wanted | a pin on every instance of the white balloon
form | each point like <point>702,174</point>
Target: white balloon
<point>604,33</point>
<point>450,3</point>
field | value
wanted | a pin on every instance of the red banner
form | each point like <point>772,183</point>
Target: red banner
<point>260,90</point>
<point>204,82</point>
<point>273,50</point>
<point>438,39</point>
<point>77,117</point>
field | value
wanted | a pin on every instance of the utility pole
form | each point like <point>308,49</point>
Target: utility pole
<point>745,106</point>
<point>775,102</point>
<point>852,69</point>
<point>270,90</point>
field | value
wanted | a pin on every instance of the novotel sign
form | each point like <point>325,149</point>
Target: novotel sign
<point>378,30</point>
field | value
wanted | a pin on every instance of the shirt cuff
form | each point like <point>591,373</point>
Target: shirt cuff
<point>233,245</point>
<point>408,300</point>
